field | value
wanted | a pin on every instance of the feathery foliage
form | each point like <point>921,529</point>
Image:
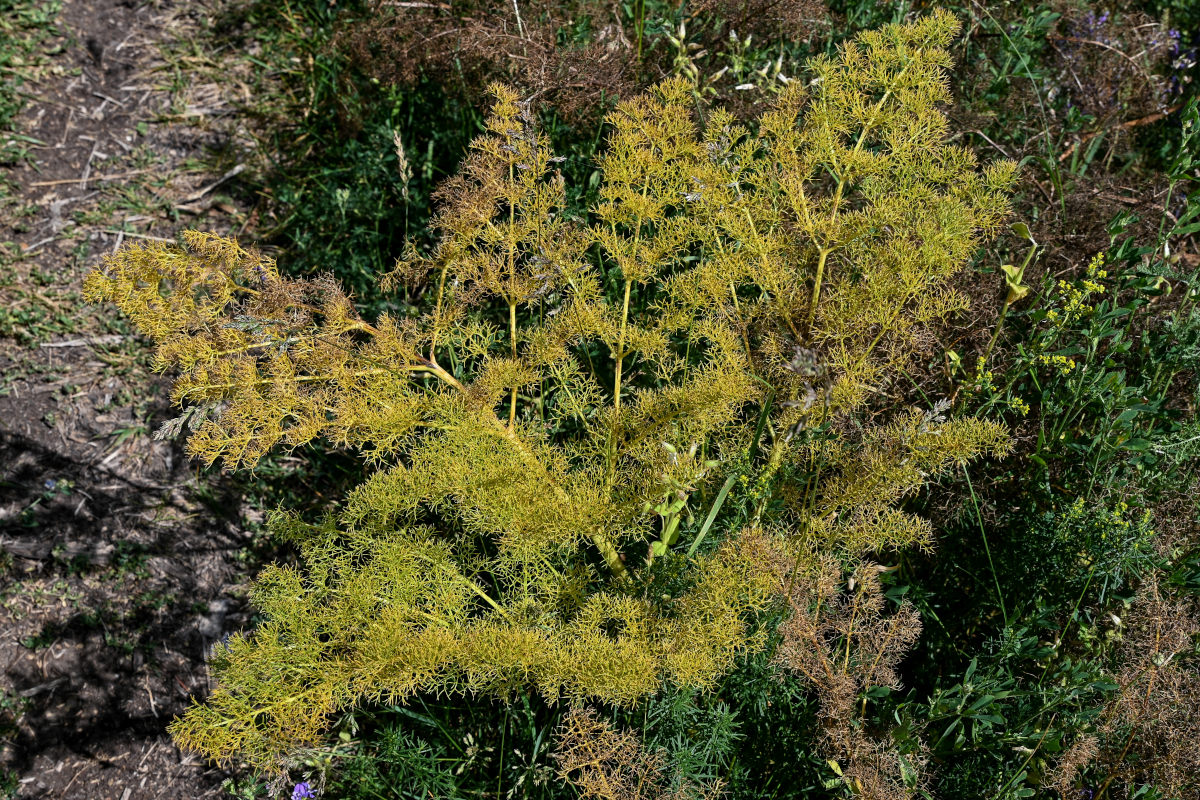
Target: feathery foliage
<point>732,306</point>
<point>608,764</point>
<point>844,645</point>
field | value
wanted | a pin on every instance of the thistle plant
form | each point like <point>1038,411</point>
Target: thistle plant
<point>734,307</point>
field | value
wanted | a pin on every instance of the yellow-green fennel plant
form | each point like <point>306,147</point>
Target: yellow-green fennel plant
<point>534,441</point>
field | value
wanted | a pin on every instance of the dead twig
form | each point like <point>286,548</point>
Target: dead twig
<point>91,179</point>
<point>1133,123</point>
<point>133,235</point>
<point>90,340</point>
<point>87,168</point>
<point>196,195</point>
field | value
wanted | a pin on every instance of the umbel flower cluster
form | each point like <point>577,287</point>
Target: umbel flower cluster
<point>538,437</point>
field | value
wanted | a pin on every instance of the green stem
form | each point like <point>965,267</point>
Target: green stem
<point>773,463</point>
<point>837,199</point>
<point>1007,302</point>
<point>986,548</point>
<point>474,587</point>
<point>995,334</point>
<point>621,348</point>
<point>619,359</point>
<point>611,557</point>
<point>640,25</point>
<point>816,292</point>
<point>712,513</point>
<point>512,326</point>
<point>1025,763</point>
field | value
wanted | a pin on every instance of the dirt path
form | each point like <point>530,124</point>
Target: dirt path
<point>118,566</point>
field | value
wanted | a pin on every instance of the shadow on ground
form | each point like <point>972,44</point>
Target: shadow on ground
<point>118,570</point>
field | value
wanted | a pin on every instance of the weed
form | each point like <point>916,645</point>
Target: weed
<point>685,355</point>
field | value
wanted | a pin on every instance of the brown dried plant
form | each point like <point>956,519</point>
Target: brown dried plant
<point>1072,765</point>
<point>842,639</point>
<point>1151,729</point>
<point>774,19</point>
<point>1112,67</point>
<point>1148,732</point>
<point>605,763</point>
<point>480,42</point>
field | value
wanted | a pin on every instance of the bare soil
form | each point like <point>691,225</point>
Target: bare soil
<point>119,565</point>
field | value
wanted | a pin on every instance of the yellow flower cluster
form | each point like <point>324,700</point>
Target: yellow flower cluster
<point>1063,364</point>
<point>983,377</point>
<point>1074,307</point>
<point>1073,298</point>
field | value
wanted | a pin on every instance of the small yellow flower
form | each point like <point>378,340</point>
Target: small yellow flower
<point>1063,364</point>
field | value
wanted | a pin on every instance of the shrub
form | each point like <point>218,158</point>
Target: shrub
<point>718,335</point>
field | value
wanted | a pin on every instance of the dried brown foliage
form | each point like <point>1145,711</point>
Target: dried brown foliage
<point>1112,67</point>
<point>1148,732</point>
<point>1175,526</point>
<point>1151,729</point>
<point>774,19</point>
<point>467,45</point>
<point>1117,72</point>
<point>609,764</point>
<point>842,640</point>
<point>1064,779</point>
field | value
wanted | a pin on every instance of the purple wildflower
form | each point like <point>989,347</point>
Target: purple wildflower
<point>1091,27</point>
<point>302,791</point>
